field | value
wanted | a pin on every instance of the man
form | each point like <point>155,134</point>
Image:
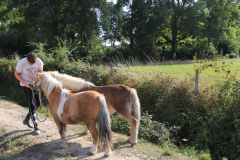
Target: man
<point>26,72</point>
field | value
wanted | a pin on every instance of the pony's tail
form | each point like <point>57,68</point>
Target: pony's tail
<point>104,126</point>
<point>136,108</point>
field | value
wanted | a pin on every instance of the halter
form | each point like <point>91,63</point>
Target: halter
<point>38,87</point>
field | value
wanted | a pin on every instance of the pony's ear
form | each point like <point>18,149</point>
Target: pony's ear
<point>51,73</point>
<point>39,74</point>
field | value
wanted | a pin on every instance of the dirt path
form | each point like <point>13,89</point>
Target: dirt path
<point>44,146</point>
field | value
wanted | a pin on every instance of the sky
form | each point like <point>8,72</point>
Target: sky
<point>114,1</point>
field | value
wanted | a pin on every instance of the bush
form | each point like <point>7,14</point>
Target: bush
<point>150,130</point>
<point>10,86</point>
<point>233,55</point>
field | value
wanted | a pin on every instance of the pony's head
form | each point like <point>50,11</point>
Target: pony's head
<point>46,82</point>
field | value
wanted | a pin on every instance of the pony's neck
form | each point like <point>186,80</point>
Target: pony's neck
<point>48,89</point>
<point>54,95</point>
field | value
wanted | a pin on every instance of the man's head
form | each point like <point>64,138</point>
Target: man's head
<point>32,57</point>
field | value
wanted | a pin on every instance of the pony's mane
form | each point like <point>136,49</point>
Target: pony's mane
<point>50,83</point>
<point>72,83</point>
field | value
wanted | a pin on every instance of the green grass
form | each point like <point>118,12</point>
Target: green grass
<point>209,76</point>
<point>183,70</point>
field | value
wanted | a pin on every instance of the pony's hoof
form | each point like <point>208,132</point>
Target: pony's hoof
<point>129,141</point>
<point>133,144</point>
<point>91,153</point>
<point>63,146</point>
<point>59,147</point>
<point>106,154</point>
<point>84,133</point>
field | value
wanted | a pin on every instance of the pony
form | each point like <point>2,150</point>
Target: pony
<point>74,108</point>
<point>120,98</point>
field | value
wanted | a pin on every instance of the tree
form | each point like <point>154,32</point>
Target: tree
<point>183,21</point>
<point>111,22</point>
<point>219,15</point>
<point>44,20</point>
<point>141,22</point>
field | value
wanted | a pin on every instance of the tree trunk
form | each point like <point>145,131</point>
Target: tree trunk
<point>55,28</point>
<point>174,35</point>
<point>131,29</point>
<point>82,39</point>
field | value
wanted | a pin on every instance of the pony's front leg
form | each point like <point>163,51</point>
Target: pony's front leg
<point>63,135</point>
<point>62,131</point>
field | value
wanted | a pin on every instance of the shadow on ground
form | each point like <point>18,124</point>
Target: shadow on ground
<point>15,145</point>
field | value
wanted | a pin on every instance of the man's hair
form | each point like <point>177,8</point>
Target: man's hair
<point>32,57</point>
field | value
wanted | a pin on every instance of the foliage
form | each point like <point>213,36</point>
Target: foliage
<point>84,71</point>
<point>149,129</point>
<point>42,21</point>
<point>157,28</point>
<point>41,51</point>
<point>62,53</point>
<point>111,22</point>
<point>10,85</point>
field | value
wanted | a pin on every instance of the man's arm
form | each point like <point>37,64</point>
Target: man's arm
<point>17,75</point>
<point>40,70</point>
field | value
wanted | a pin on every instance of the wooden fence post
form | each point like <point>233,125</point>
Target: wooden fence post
<point>196,83</point>
<point>112,73</point>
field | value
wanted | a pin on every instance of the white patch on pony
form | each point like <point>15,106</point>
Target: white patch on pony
<point>34,115</point>
<point>93,150</point>
<point>62,102</point>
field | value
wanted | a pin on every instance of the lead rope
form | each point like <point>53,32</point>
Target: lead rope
<point>34,103</point>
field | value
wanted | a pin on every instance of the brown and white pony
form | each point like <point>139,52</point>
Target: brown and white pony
<point>120,98</point>
<point>73,108</point>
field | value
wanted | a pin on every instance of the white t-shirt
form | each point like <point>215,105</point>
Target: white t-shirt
<point>27,72</point>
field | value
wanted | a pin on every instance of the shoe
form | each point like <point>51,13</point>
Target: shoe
<point>26,122</point>
<point>36,130</point>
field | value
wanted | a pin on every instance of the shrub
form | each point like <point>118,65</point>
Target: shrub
<point>84,71</point>
<point>10,86</point>
<point>150,130</point>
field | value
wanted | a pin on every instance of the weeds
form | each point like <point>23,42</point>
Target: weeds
<point>10,145</point>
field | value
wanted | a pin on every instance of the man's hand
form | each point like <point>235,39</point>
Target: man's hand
<point>27,84</point>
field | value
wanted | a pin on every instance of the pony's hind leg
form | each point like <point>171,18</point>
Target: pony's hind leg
<point>134,129</point>
<point>108,150</point>
<point>93,131</point>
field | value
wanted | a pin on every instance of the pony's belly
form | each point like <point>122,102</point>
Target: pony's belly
<point>111,109</point>
<point>71,120</point>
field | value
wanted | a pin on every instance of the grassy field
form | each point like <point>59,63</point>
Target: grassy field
<point>212,74</point>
